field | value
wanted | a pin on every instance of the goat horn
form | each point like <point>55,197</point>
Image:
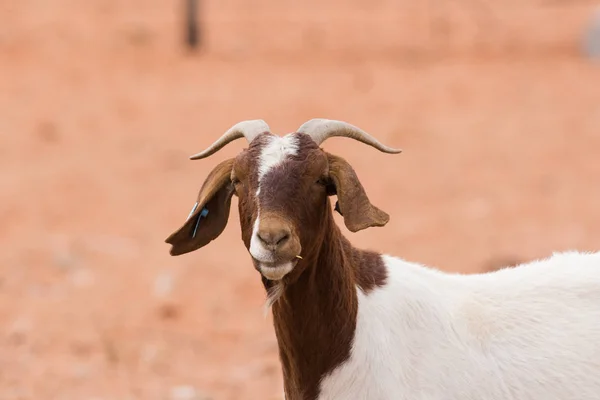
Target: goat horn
<point>321,129</point>
<point>248,129</point>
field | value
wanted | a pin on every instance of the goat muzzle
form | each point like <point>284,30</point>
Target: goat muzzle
<point>275,247</point>
<point>277,236</point>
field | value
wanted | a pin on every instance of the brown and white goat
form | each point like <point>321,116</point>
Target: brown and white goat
<point>356,324</point>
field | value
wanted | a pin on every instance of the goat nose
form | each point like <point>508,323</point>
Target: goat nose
<point>273,238</point>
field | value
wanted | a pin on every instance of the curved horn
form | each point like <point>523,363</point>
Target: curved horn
<point>248,129</point>
<point>321,129</point>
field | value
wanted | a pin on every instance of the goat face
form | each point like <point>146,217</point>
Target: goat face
<point>282,185</point>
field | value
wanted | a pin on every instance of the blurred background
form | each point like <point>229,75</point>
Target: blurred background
<point>495,104</point>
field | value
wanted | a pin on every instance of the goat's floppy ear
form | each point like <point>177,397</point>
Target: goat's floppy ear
<point>353,203</point>
<point>209,215</point>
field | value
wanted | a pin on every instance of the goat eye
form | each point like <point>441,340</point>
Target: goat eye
<point>322,182</point>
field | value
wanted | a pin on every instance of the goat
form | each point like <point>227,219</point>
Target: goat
<point>357,324</point>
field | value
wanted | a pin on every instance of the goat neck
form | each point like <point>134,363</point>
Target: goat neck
<point>315,317</point>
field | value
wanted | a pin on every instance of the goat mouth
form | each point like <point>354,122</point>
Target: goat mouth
<point>276,271</point>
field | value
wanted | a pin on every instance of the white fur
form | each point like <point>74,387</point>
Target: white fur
<point>525,333</point>
<point>257,250</point>
<point>273,295</point>
<point>275,152</point>
<point>272,154</point>
<point>277,272</point>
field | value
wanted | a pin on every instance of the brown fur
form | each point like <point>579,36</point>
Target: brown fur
<point>215,195</point>
<point>315,317</point>
<point>353,202</point>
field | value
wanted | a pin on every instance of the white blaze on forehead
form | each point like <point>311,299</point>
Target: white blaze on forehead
<point>275,152</point>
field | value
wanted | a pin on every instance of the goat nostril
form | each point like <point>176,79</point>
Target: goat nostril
<point>273,239</point>
<point>284,237</point>
<point>263,238</point>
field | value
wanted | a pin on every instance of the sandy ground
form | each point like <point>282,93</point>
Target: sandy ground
<point>497,111</point>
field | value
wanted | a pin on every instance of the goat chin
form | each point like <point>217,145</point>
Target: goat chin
<point>276,272</point>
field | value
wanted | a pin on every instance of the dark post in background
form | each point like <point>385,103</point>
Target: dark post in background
<point>193,34</point>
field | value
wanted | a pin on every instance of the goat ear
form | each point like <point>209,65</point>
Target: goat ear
<point>353,203</point>
<point>209,215</point>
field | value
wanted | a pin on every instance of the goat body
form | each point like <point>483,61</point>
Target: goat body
<point>527,333</point>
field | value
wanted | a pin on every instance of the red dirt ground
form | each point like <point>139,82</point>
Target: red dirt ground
<point>496,110</point>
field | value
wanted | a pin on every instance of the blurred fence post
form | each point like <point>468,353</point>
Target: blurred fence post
<point>193,31</point>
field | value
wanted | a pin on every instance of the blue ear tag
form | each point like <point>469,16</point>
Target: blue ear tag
<point>202,214</point>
